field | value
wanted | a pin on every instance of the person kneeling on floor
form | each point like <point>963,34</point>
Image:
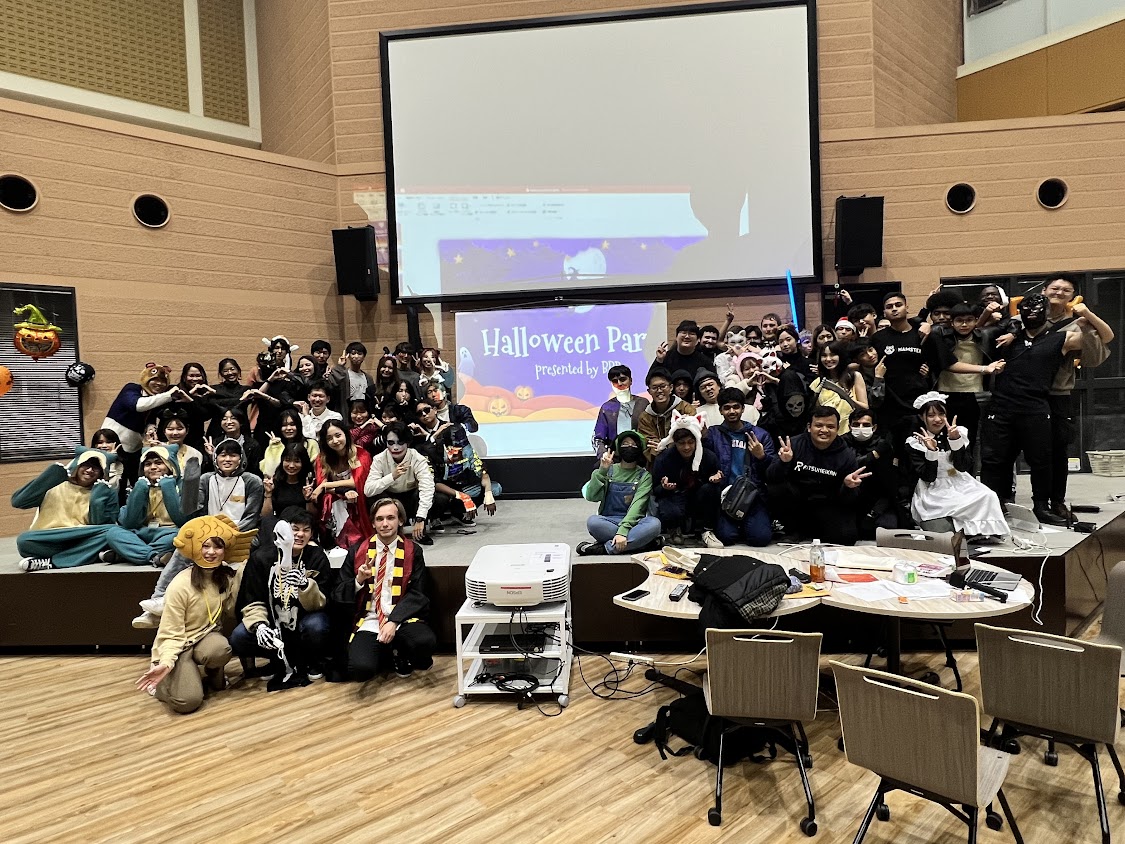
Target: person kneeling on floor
<point>686,482</point>
<point>743,450</point>
<point>190,634</point>
<point>382,577</point>
<point>76,509</point>
<point>623,490</point>
<point>282,604</point>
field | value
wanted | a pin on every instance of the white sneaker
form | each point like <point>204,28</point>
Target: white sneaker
<point>155,606</point>
<point>146,621</point>
<point>710,540</point>
<point>30,564</point>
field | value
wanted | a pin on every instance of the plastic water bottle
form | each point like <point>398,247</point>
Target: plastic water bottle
<point>816,562</point>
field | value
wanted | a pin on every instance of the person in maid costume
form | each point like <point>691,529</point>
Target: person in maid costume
<point>940,459</point>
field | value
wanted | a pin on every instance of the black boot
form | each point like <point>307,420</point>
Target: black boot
<point>1047,517</point>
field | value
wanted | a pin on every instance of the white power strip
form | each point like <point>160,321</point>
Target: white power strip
<point>631,659</point>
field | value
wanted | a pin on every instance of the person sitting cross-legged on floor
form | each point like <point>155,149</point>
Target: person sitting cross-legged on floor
<point>741,449</point>
<point>623,490</point>
<point>76,509</point>
<point>382,578</point>
<point>282,603</point>
<point>685,482</point>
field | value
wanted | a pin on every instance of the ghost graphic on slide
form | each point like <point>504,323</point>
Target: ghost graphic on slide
<point>465,365</point>
<point>589,263</point>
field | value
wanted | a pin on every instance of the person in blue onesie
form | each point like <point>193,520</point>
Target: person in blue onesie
<point>76,510</point>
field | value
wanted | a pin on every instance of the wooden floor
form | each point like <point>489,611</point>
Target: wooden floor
<point>85,758</point>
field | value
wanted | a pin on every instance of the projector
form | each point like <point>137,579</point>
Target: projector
<point>519,575</point>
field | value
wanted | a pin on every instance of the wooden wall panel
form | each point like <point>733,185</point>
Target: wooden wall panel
<point>1008,232</point>
<point>246,253</point>
<point>1086,73</point>
<point>917,49</point>
<point>295,79</point>
<point>1017,88</point>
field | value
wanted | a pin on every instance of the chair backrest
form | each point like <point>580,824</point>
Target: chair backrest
<point>767,674</point>
<point>1113,619</point>
<point>910,731</point>
<point>921,540</point>
<point>1058,684</point>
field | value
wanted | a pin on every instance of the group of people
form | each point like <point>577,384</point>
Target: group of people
<point>887,420</point>
<point>252,448</point>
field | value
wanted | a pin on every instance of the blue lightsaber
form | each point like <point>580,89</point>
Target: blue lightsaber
<point>792,298</point>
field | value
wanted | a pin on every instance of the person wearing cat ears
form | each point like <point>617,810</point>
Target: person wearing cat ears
<point>741,448</point>
<point>685,481</point>
<point>76,509</point>
<point>128,415</point>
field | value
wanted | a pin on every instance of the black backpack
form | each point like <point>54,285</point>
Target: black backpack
<point>687,719</point>
<point>734,591</point>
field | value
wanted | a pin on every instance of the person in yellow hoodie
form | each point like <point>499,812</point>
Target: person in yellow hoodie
<point>76,509</point>
<point>152,513</point>
<point>190,634</point>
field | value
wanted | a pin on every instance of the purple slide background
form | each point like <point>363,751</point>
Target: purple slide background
<point>493,367</point>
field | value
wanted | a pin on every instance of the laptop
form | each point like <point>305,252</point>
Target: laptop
<point>1001,579</point>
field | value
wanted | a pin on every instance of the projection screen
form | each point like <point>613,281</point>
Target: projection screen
<point>664,147</point>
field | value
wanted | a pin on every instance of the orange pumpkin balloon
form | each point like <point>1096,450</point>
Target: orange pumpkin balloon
<point>5,380</point>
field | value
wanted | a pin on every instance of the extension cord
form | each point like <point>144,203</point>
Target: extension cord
<point>632,658</point>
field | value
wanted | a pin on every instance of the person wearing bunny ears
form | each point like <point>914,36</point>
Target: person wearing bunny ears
<point>282,603</point>
<point>740,448</point>
<point>941,464</point>
<point>685,481</point>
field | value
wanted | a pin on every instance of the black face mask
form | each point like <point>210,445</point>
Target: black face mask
<point>629,453</point>
<point>1033,310</point>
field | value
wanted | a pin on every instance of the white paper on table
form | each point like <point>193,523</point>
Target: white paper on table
<point>859,561</point>
<point>922,589</point>
<point>876,591</point>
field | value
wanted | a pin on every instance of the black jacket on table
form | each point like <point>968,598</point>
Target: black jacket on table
<point>412,603</point>
<point>923,467</point>
<point>255,600</point>
<point>817,474</point>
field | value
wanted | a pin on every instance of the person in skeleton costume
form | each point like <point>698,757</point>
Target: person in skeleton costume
<point>282,604</point>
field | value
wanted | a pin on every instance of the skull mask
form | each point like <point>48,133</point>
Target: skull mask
<point>795,405</point>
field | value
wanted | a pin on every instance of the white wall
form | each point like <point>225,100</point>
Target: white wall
<point>1018,22</point>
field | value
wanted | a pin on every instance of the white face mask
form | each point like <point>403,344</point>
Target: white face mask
<point>863,433</point>
<point>623,396</point>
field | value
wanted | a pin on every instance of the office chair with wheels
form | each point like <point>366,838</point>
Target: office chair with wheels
<point>937,543</point>
<point>922,739</point>
<point>1054,688</point>
<point>766,679</point>
<point>1113,616</point>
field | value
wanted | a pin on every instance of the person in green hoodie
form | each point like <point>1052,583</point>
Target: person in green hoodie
<point>623,487</point>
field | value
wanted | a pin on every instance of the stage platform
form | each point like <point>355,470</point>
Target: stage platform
<point>91,606</point>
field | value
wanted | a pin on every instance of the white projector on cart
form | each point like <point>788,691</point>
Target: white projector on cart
<point>519,575</point>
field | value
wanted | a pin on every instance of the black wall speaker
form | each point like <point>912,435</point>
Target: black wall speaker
<point>859,233</point>
<point>357,273</point>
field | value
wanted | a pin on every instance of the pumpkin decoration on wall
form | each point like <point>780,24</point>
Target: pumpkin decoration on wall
<point>5,380</point>
<point>35,336</point>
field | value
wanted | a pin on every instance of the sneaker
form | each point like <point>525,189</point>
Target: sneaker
<point>30,564</point>
<point>425,540</point>
<point>108,556</point>
<point>467,518</point>
<point>402,665</point>
<point>153,605</point>
<point>159,561</point>
<point>146,621</point>
<point>676,538</point>
<point>278,683</point>
<point>710,540</point>
<point>589,549</point>
<point>316,671</point>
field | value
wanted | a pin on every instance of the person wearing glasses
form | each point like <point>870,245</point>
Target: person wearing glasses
<point>622,412</point>
<point>656,419</point>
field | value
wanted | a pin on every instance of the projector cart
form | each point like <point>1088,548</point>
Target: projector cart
<point>494,641</point>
